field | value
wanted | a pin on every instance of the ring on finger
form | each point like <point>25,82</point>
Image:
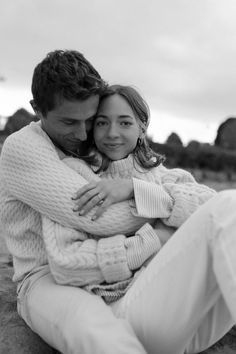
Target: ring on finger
<point>101,199</point>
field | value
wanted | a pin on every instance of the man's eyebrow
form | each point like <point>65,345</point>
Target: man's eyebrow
<point>92,117</point>
<point>67,118</point>
<point>74,119</point>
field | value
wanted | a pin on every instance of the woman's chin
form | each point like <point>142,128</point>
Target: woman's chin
<point>116,157</point>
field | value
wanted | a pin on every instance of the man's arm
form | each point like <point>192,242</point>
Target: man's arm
<point>75,259</point>
<point>33,173</point>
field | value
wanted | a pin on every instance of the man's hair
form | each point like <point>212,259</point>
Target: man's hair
<point>64,74</point>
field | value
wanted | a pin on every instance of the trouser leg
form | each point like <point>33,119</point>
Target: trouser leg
<point>76,322</point>
<point>176,305</point>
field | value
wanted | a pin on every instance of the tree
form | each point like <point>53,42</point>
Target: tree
<point>174,139</point>
<point>226,134</point>
<point>18,120</point>
<point>194,145</point>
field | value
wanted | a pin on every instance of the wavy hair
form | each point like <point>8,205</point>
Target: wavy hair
<point>64,74</point>
<point>143,154</point>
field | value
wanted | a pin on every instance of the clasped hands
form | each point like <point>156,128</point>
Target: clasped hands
<point>102,194</point>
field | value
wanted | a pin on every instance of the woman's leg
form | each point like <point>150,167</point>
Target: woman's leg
<point>72,320</point>
<point>176,305</point>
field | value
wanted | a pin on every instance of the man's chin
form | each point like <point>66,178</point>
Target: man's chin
<point>73,146</point>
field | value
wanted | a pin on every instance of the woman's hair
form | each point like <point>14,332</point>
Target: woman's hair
<point>143,154</point>
<point>64,74</point>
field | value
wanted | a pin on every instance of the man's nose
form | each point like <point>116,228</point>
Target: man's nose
<point>81,133</point>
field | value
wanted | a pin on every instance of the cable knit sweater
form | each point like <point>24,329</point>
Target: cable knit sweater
<point>34,182</point>
<point>64,245</point>
<point>185,195</point>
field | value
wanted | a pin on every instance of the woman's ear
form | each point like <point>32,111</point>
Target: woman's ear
<point>141,138</point>
<point>142,134</point>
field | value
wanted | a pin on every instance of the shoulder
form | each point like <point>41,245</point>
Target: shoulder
<point>81,167</point>
<point>174,175</point>
<point>28,136</point>
<point>74,162</point>
<point>29,142</point>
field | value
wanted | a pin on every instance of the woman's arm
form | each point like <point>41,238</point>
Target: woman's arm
<point>179,195</point>
<point>32,172</point>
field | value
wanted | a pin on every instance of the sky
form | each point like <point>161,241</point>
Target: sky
<point>179,54</point>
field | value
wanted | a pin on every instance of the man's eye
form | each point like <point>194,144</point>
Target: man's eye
<point>68,122</point>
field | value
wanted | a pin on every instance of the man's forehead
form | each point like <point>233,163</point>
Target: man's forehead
<point>76,109</point>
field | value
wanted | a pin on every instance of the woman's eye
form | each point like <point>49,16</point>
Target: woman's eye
<point>100,124</point>
<point>126,124</point>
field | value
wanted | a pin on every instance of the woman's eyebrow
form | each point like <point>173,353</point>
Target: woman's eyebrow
<point>101,116</point>
<point>125,116</point>
<point>120,116</point>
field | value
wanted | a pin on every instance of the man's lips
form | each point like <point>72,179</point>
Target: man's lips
<point>74,141</point>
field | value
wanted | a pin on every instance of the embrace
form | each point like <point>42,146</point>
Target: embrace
<point>112,251</point>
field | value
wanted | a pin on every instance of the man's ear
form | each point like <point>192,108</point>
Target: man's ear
<point>36,110</point>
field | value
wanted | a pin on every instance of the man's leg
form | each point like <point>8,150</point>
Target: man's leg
<point>74,321</point>
<point>176,305</point>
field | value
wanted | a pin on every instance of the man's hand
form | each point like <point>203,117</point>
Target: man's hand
<point>103,194</point>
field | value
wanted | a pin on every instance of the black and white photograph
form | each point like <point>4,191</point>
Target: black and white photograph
<point>118,177</point>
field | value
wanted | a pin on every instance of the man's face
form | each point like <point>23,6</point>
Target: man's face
<point>69,122</point>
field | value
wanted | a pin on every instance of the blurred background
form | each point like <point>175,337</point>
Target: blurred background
<point>180,54</point>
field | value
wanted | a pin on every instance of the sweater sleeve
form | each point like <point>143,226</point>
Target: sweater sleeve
<point>32,172</point>
<point>174,199</point>
<point>75,259</point>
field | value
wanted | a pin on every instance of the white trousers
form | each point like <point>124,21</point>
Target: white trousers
<point>183,302</point>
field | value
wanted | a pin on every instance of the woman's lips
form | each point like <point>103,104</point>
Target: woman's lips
<point>112,146</point>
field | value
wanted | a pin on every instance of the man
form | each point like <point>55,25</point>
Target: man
<point>35,182</point>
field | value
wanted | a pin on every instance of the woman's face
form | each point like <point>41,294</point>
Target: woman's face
<point>116,129</point>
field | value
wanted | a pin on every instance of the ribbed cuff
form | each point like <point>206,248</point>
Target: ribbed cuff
<point>143,245</point>
<point>151,200</point>
<point>112,259</point>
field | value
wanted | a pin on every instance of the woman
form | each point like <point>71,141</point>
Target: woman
<point>152,303</point>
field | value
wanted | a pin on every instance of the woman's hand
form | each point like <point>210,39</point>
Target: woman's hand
<point>102,193</point>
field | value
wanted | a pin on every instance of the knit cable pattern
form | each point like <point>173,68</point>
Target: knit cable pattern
<point>33,173</point>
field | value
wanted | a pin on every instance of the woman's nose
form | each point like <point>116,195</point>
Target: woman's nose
<point>113,131</point>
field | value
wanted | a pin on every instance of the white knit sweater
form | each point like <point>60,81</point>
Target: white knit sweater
<point>66,247</point>
<point>34,182</point>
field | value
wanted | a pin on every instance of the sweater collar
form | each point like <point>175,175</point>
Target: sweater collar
<point>118,166</point>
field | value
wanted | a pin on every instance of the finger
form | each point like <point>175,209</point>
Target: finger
<point>84,190</point>
<point>91,203</point>
<point>85,199</point>
<point>101,209</point>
